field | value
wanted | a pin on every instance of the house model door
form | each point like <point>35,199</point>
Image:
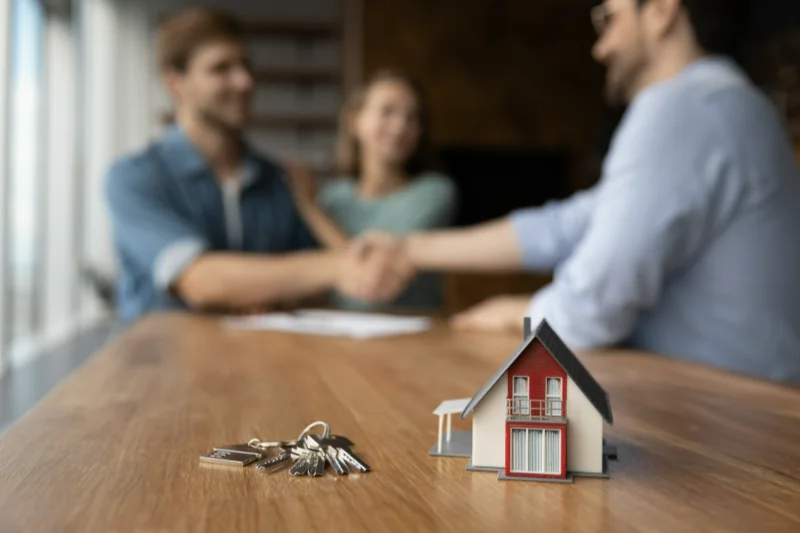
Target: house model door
<point>536,451</point>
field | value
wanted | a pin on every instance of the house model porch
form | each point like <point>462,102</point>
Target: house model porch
<point>539,417</point>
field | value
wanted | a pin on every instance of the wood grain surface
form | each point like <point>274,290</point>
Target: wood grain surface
<point>116,447</point>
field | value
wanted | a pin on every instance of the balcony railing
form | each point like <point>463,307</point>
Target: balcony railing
<point>536,410</point>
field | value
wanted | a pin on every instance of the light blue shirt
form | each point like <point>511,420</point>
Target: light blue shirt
<point>690,243</point>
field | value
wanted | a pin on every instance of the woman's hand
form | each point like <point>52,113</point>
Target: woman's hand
<point>302,182</point>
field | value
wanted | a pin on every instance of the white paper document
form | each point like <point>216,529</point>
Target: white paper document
<point>332,323</point>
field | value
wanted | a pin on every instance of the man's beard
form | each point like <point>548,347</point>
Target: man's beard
<point>622,82</point>
<point>218,122</point>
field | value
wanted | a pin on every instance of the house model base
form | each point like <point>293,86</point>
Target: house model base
<point>538,418</point>
<point>460,445</point>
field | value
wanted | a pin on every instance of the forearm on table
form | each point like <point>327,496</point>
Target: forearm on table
<point>490,247</point>
<point>242,281</point>
<point>324,228</point>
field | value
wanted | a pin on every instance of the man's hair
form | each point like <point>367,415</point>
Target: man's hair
<point>179,36</point>
<point>719,25</point>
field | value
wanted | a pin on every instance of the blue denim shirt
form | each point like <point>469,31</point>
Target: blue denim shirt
<point>688,245</point>
<point>167,209</point>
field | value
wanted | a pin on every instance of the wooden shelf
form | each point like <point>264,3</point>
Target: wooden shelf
<point>292,30</point>
<point>284,75</point>
<point>287,122</point>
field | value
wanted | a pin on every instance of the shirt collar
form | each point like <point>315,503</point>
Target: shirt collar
<point>186,161</point>
<point>711,62</point>
<point>711,69</point>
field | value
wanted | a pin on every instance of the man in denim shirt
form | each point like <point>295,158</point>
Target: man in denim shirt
<point>203,222</point>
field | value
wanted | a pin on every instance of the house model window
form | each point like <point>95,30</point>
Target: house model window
<point>553,397</point>
<point>521,404</point>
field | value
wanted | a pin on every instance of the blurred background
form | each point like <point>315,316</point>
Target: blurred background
<point>518,119</point>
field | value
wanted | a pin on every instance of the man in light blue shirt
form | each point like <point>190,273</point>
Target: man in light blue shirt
<point>688,246</point>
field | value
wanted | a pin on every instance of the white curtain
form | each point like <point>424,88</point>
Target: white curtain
<point>535,450</point>
<point>554,396</point>
<point>518,450</point>
<point>58,300</point>
<point>521,406</point>
<point>553,452</point>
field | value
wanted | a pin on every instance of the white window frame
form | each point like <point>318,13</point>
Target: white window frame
<point>524,409</point>
<point>543,431</point>
<point>5,80</point>
<point>550,411</point>
<point>20,339</point>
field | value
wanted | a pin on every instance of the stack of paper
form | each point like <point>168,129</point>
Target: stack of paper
<point>333,323</point>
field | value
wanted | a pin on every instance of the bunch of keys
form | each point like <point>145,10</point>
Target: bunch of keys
<point>310,453</point>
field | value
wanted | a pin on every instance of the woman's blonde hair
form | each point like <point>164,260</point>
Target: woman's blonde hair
<point>348,152</point>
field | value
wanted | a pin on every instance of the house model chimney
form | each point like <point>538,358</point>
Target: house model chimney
<point>527,328</point>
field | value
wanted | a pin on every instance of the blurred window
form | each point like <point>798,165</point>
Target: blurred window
<point>26,153</point>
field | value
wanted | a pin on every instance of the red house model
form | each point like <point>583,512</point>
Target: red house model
<point>539,417</point>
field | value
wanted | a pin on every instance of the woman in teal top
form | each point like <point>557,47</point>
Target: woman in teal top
<point>385,182</point>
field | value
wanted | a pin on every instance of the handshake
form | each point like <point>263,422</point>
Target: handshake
<point>376,268</point>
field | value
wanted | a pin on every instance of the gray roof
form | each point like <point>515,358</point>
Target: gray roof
<point>571,365</point>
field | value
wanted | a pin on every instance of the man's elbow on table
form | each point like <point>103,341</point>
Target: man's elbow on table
<point>202,287</point>
<point>583,322</point>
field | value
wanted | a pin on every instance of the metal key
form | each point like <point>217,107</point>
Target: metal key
<point>338,441</point>
<point>319,443</point>
<point>299,451</point>
<point>313,456</point>
<point>273,463</point>
<point>340,467</point>
<point>302,465</point>
<point>240,448</point>
<point>348,456</point>
<point>318,465</point>
<point>228,458</point>
<point>343,448</point>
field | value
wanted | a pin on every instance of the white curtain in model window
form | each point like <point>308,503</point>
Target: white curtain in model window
<point>536,451</point>
<point>521,403</point>
<point>535,447</point>
<point>552,452</point>
<point>518,450</point>
<point>554,396</point>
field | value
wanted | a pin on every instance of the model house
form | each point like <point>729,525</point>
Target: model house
<point>540,416</point>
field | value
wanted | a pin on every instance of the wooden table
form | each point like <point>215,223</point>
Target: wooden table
<point>116,447</point>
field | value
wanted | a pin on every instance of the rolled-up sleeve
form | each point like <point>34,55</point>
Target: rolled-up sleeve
<point>547,235</point>
<point>149,231</point>
<point>649,220</point>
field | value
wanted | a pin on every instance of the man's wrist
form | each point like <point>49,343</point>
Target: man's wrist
<point>332,266</point>
<point>414,247</point>
<point>304,205</point>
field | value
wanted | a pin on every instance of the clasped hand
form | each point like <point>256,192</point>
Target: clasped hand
<point>376,268</point>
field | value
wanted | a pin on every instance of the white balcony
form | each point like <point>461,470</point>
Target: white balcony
<point>527,410</point>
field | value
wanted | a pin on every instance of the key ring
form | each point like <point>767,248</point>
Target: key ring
<point>325,432</point>
<point>261,445</point>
